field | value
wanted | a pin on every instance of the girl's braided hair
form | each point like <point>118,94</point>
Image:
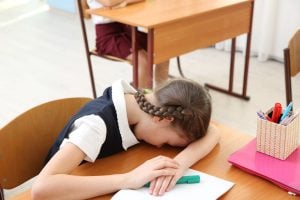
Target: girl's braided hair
<point>186,101</point>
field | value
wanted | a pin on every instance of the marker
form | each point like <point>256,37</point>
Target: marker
<point>286,111</point>
<point>261,114</point>
<point>289,119</point>
<point>276,112</point>
<point>184,180</point>
<point>268,118</point>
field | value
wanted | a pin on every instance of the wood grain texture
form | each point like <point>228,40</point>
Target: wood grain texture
<point>294,46</point>
<point>246,186</point>
<point>26,140</point>
<point>182,26</point>
<point>155,13</point>
<point>200,31</point>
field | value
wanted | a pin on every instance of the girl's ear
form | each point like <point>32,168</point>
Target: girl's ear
<point>166,120</point>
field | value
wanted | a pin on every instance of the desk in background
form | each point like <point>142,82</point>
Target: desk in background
<point>177,27</point>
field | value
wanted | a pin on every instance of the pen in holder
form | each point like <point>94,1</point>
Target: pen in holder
<point>275,139</point>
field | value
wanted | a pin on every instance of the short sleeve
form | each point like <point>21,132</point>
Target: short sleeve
<point>88,134</point>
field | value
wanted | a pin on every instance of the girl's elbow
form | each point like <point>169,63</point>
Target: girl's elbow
<point>214,133</point>
<point>108,3</point>
<point>217,137</point>
<point>39,191</point>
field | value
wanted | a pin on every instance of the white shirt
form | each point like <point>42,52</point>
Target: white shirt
<point>89,132</point>
<point>96,18</point>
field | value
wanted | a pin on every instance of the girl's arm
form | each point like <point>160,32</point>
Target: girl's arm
<point>186,158</point>
<point>198,149</point>
<point>55,181</point>
<point>115,3</point>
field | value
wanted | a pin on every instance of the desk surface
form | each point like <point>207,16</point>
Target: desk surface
<point>153,13</point>
<point>246,186</point>
<point>183,26</point>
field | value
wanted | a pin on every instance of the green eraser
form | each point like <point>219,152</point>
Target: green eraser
<point>147,91</point>
<point>184,180</point>
<point>189,179</point>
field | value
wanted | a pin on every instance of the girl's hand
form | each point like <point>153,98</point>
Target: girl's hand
<point>133,1</point>
<point>149,170</point>
<point>124,3</point>
<point>164,184</point>
<point>121,5</point>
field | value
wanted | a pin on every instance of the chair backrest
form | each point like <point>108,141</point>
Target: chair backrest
<point>25,141</point>
<point>294,51</point>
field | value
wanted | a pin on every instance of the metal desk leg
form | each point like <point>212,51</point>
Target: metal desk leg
<point>135,57</point>
<point>246,68</point>
<point>150,55</point>
<point>1,194</point>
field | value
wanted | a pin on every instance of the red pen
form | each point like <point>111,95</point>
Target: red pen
<point>276,112</point>
<point>268,118</point>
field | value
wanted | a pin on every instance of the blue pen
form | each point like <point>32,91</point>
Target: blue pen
<point>261,114</point>
<point>286,111</point>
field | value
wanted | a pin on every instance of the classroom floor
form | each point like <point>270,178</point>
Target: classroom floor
<point>42,58</point>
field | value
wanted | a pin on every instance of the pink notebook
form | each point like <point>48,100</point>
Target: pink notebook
<point>285,174</point>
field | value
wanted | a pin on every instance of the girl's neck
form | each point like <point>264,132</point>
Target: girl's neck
<point>134,113</point>
<point>132,109</point>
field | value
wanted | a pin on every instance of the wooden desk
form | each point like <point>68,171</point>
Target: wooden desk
<point>246,186</point>
<point>177,27</point>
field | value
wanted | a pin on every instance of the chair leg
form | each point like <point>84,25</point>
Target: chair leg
<point>92,77</point>
<point>1,194</point>
<point>179,67</point>
<point>287,73</point>
<point>87,49</point>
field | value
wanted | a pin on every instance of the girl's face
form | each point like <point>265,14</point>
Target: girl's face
<point>158,133</point>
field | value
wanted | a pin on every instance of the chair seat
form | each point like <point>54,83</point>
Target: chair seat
<point>109,57</point>
<point>82,10</point>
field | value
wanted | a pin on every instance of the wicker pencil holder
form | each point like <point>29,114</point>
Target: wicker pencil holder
<point>277,140</point>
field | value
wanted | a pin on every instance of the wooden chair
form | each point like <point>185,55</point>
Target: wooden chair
<point>82,9</point>
<point>291,63</point>
<point>26,140</point>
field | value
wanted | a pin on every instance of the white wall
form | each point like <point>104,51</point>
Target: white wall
<point>274,23</point>
<point>288,21</point>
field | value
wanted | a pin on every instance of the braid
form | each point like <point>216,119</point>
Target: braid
<point>175,111</point>
<point>195,101</point>
<point>186,101</point>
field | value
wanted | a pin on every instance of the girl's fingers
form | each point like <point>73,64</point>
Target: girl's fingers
<point>165,184</point>
<point>152,185</point>
<point>166,164</point>
<point>150,170</point>
<point>157,187</point>
<point>164,172</point>
<point>160,162</point>
<point>171,184</point>
<point>160,158</point>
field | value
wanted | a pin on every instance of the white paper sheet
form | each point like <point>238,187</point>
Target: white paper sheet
<point>209,188</point>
